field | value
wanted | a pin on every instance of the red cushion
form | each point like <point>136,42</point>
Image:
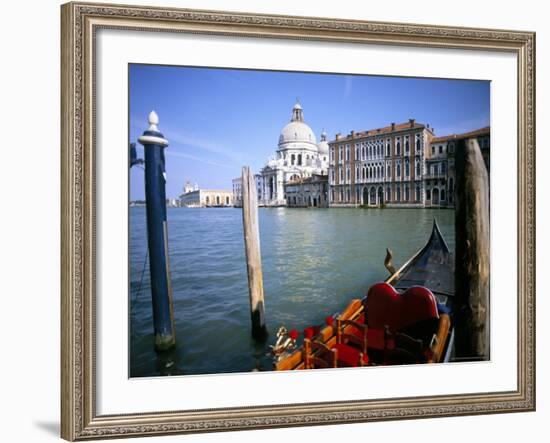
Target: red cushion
<point>349,355</point>
<point>387,307</point>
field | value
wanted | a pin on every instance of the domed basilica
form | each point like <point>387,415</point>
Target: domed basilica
<point>298,157</point>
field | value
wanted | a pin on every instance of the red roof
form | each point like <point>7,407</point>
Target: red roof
<point>380,131</point>
<point>476,133</point>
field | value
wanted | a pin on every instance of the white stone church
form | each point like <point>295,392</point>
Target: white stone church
<point>298,157</point>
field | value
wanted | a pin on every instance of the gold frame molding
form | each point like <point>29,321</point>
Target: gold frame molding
<point>79,22</point>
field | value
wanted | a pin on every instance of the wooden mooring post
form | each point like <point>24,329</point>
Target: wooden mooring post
<point>154,144</point>
<point>251,230</point>
<point>472,253</point>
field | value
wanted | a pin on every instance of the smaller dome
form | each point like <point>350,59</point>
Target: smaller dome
<point>323,144</point>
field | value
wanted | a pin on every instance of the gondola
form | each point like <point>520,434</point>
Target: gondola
<point>406,319</point>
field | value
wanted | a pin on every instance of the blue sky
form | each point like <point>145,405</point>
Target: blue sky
<point>217,120</point>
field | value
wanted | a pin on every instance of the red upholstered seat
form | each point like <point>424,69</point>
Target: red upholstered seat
<point>350,356</point>
<point>387,307</point>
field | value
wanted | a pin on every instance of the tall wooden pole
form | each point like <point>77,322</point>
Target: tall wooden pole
<point>157,235</point>
<point>253,256</point>
<point>472,253</point>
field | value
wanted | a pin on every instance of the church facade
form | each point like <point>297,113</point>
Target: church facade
<point>298,157</point>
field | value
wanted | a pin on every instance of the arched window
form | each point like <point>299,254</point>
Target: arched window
<point>217,199</point>
<point>363,153</point>
<point>407,145</point>
<point>398,148</point>
<point>406,193</point>
<point>398,170</point>
<point>418,143</point>
<point>292,159</point>
<point>407,168</point>
<point>398,193</point>
<point>388,194</point>
<point>348,195</point>
<point>364,173</point>
<point>299,159</point>
<point>417,194</point>
<point>389,172</point>
<point>417,169</point>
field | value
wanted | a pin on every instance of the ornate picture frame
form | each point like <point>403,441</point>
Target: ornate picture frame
<point>80,23</point>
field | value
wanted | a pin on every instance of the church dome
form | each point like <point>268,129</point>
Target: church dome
<point>297,131</point>
<point>323,144</point>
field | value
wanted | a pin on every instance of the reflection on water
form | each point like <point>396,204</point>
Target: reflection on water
<point>314,262</point>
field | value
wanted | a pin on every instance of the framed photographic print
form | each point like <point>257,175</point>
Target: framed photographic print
<point>279,221</point>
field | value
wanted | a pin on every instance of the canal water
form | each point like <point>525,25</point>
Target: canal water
<point>314,262</point>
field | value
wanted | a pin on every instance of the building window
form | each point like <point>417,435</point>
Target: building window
<point>398,170</point>
<point>433,150</point>
<point>398,194</point>
<point>299,159</point>
<point>292,159</point>
<point>440,149</point>
<point>331,154</point>
<point>363,153</point>
<point>207,200</point>
<point>341,195</point>
<point>348,174</point>
<point>347,153</point>
<point>348,195</point>
<point>444,167</point>
<point>388,194</point>
<point>407,145</point>
<point>364,173</point>
<point>388,148</point>
<point>357,176</point>
<point>407,168</point>
<point>226,200</point>
<point>331,195</point>
<point>442,194</point>
<point>389,171</point>
<point>417,143</point>
<point>417,169</point>
<point>398,147</point>
<point>428,194</point>
<point>417,195</point>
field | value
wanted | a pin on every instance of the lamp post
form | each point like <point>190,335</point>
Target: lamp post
<point>157,234</point>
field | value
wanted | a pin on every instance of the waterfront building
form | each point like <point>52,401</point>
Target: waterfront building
<point>206,198</point>
<point>298,156</point>
<point>307,192</point>
<point>440,178</point>
<point>379,167</point>
<point>237,186</point>
<point>400,165</point>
